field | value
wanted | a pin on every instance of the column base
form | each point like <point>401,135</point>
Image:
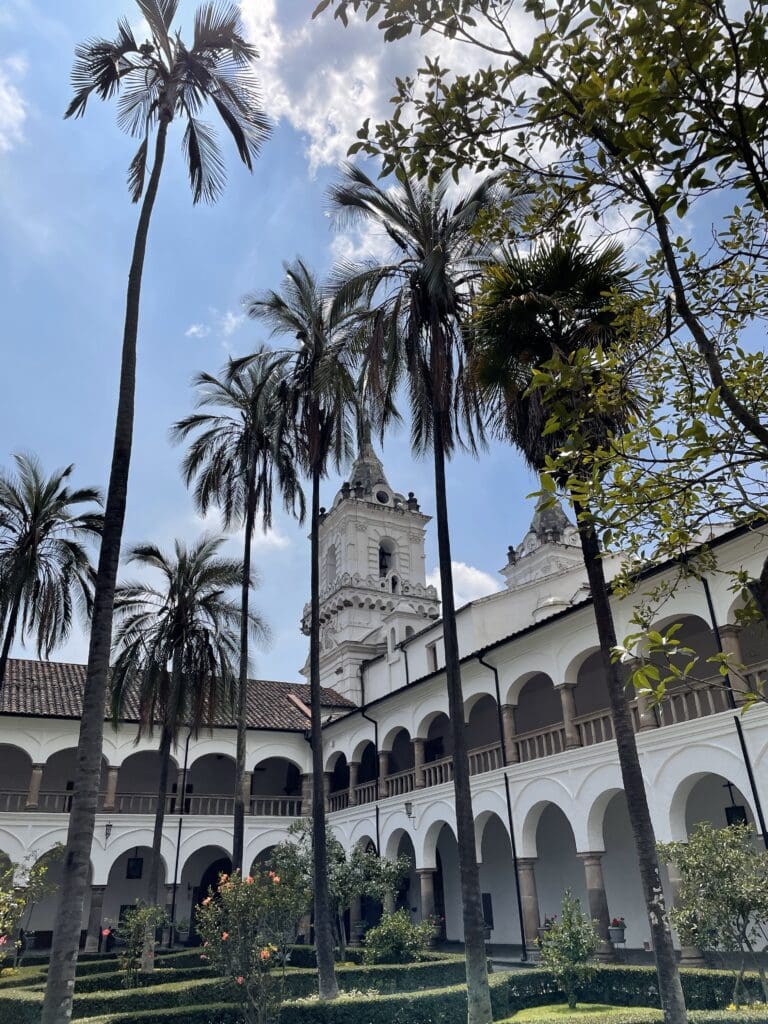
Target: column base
<point>606,952</point>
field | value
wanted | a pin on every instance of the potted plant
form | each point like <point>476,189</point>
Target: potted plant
<point>616,929</point>
<point>438,929</point>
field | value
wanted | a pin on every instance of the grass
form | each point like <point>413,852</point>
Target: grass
<point>598,1013</point>
<point>562,1010</point>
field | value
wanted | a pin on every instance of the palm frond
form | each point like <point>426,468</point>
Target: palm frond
<point>207,175</point>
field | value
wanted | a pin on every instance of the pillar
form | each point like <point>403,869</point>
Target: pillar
<point>598,903</point>
<point>94,919</point>
<point>181,779</point>
<point>389,903</point>
<point>383,772</point>
<point>110,792</point>
<point>529,898</point>
<point>690,956</point>
<point>427,891</point>
<point>419,775</point>
<point>33,793</point>
<point>355,922</point>
<point>646,715</point>
<point>247,783</point>
<point>730,637</point>
<point>509,732</point>
<point>569,716</point>
<point>306,795</point>
<point>327,776</point>
<point>354,769</point>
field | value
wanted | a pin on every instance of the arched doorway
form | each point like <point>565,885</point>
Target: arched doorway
<point>200,874</point>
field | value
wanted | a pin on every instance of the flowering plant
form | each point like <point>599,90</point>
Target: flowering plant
<point>550,922</point>
<point>618,922</point>
<point>247,925</point>
<point>21,886</point>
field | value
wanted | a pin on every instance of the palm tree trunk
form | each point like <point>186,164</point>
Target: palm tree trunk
<point>478,993</point>
<point>670,989</point>
<point>327,985</point>
<point>10,633</point>
<point>153,883</point>
<point>57,1008</point>
<point>238,824</point>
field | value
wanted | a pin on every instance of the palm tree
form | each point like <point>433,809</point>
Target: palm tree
<point>44,566</point>
<point>416,336</point>
<point>157,81</point>
<point>554,301</point>
<point>319,403</point>
<point>176,645</point>
<point>240,452</point>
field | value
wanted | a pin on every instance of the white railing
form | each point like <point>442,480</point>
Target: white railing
<point>142,803</point>
<point>365,793</point>
<point>400,782</point>
<point>696,700</point>
<point>438,772</point>
<point>338,801</point>
<point>541,742</point>
<point>13,800</point>
<point>276,806</point>
<point>597,727</point>
<point>485,759</point>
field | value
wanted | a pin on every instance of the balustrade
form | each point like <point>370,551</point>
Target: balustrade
<point>365,792</point>
<point>338,801</point>
<point>485,759</point>
<point>541,742</point>
<point>596,727</point>
<point>437,772</point>
<point>13,800</point>
<point>276,806</point>
<point>400,782</point>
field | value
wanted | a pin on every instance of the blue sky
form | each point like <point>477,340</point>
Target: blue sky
<point>66,230</point>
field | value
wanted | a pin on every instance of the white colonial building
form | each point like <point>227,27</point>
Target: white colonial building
<point>549,808</point>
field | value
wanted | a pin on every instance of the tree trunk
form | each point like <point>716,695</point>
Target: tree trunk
<point>670,989</point>
<point>238,824</point>
<point>327,985</point>
<point>153,883</point>
<point>57,1008</point>
<point>10,633</point>
<point>478,992</point>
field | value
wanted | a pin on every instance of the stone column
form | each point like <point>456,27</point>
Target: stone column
<point>690,956</point>
<point>354,769</point>
<point>355,917</point>
<point>598,903</point>
<point>327,776</point>
<point>110,792</point>
<point>306,795</point>
<point>247,783</point>
<point>94,919</point>
<point>510,733</point>
<point>569,714</point>
<point>529,897</point>
<point>730,637</point>
<point>389,903</point>
<point>419,776</point>
<point>646,715</point>
<point>33,793</point>
<point>181,780</point>
<point>383,772</point>
<point>427,890</point>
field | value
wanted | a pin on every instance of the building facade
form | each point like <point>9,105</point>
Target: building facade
<point>549,807</point>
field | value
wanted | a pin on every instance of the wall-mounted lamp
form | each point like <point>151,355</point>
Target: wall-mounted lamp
<point>409,810</point>
<point>107,831</point>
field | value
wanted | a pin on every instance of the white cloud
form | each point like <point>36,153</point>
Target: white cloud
<point>197,331</point>
<point>230,322</point>
<point>273,539</point>
<point>13,107</point>
<point>325,80</point>
<point>469,583</point>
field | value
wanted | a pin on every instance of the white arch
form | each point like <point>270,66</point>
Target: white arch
<point>359,749</point>
<point>333,757</point>
<point>429,827</point>
<point>514,689</point>
<point>531,803</point>
<point>262,842</point>
<point>12,846</point>
<point>487,804</point>
<point>210,838</point>
<point>577,661</point>
<point>389,738</point>
<point>422,730</point>
<point>105,858</point>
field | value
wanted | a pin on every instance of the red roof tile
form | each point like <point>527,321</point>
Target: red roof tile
<point>54,689</point>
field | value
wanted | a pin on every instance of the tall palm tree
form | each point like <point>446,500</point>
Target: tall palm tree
<point>416,337</point>
<point>45,569</point>
<point>320,404</point>
<point>554,300</point>
<point>240,452</point>
<point>157,81</point>
<point>176,645</point>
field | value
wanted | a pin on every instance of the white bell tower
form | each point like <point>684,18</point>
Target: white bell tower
<point>372,574</point>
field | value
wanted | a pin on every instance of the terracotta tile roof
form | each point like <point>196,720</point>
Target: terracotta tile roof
<point>54,689</point>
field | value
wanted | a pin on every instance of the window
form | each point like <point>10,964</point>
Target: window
<point>408,631</point>
<point>395,585</point>
<point>386,556</point>
<point>331,566</point>
<point>392,640</point>
<point>432,657</point>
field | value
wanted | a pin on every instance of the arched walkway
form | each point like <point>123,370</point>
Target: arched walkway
<point>497,882</point>
<point>200,874</point>
<point>539,719</point>
<point>16,772</point>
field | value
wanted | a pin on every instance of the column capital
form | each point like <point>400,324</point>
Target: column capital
<point>527,863</point>
<point>98,889</point>
<point>425,871</point>
<point>730,629</point>
<point>589,856</point>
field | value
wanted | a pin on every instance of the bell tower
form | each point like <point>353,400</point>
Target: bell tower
<point>373,588</point>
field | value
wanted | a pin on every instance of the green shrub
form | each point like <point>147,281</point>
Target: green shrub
<point>396,940</point>
<point>567,948</point>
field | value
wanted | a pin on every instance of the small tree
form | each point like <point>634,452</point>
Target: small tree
<point>722,902</point>
<point>137,929</point>
<point>363,873</point>
<point>567,947</point>
<point>21,887</point>
<point>397,940</point>
<point>247,926</point>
